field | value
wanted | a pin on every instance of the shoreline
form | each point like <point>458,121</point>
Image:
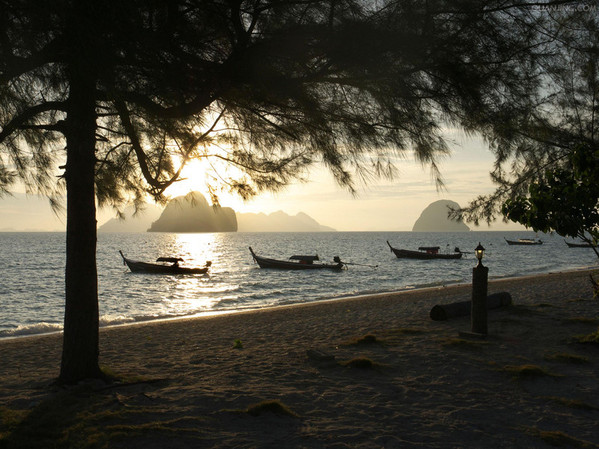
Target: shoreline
<point>216,313</point>
<point>413,383</point>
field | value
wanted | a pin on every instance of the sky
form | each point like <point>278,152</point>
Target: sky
<point>381,206</point>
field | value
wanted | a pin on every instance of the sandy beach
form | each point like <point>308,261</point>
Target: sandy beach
<point>367,372</point>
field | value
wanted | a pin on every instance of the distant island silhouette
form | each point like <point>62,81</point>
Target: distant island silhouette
<point>279,222</point>
<point>434,218</point>
<point>132,222</point>
<point>192,213</point>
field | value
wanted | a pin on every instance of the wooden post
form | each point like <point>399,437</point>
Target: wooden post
<point>478,315</point>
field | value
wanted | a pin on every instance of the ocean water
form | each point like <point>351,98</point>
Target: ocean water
<point>32,271</point>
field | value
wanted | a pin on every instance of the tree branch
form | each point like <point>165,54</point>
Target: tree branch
<point>20,120</point>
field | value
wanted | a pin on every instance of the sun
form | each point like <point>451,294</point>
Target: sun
<point>196,176</point>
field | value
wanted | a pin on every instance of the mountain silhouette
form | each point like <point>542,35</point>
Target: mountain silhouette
<point>192,213</point>
<point>132,222</point>
<point>435,218</point>
<point>279,222</point>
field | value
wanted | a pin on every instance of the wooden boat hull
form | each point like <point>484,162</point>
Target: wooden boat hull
<point>421,255</point>
<point>265,262</point>
<point>144,267</point>
<point>523,242</point>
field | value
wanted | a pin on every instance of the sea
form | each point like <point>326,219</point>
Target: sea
<point>32,269</point>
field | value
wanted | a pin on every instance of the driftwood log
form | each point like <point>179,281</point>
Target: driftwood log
<point>445,311</point>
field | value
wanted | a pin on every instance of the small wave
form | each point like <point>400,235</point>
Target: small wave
<point>31,329</point>
<point>109,320</point>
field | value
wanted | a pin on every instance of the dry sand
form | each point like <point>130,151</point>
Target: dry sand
<point>427,386</point>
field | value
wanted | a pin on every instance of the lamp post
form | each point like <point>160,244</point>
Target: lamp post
<point>480,275</point>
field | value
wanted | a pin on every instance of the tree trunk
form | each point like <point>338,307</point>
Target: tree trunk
<point>81,321</point>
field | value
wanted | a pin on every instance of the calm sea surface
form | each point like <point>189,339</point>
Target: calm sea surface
<point>32,271</point>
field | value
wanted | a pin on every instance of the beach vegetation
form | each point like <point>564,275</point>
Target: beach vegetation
<point>360,363</point>
<point>521,310</point>
<point>462,343</point>
<point>592,338</point>
<point>365,340</point>
<point>557,438</point>
<point>273,406</point>
<point>527,371</point>
<point>566,358</point>
<point>109,101</point>
<point>81,417</point>
<point>9,419</point>
<point>582,320</point>
<point>572,403</point>
<point>537,169</point>
<point>408,331</point>
<point>565,198</point>
<point>113,378</point>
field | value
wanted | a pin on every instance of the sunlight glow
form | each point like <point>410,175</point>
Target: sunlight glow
<point>196,249</point>
<point>198,175</point>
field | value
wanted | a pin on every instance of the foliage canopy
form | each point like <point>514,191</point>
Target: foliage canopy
<point>266,86</point>
<point>564,122</point>
<point>565,200</point>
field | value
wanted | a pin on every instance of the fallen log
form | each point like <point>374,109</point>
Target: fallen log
<point>445,311</point>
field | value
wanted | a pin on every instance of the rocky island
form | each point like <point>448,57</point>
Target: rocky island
<point>435,218</point>
<point>192,213</point>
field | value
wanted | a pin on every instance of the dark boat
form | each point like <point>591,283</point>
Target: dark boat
<point>524,242</point>
<point>424,253</point>
<point>580,245</point>
<point>296,263</point>
<point>174,268</point>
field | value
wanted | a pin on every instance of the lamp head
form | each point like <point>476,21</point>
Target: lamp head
<point>480,252</point>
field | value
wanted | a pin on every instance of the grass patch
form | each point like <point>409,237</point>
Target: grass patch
<point>582,320</point>
<point>237,344</point>
<point>566,358</point>
<point>274,407</point>
<point>9,420</point>
<point>360,363</point>
<point>560,439</point>
<point>67,420</point>
<point>365,340</point>
<point>111,377</point>
<point>527,371</point>
<point>592,338</point>
<point>78,417</point>
<point>572,403</point>
<point>522,311</point>
<point>462,343</point>
<point>408,331</point>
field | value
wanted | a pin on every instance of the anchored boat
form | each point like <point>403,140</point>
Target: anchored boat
<point>174,268</point>
<point>297,263</point>
<point>524,242</point>
<point>424,253</point>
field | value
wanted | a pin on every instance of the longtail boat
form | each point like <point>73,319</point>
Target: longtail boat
<point>524,242</point>
<point>144,267</point>
<point>297,263</point>
<point>424,253</point>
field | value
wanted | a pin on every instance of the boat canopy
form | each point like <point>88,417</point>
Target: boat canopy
<point>430,249</point>
<point>169,259</point>
<point>305,259</point>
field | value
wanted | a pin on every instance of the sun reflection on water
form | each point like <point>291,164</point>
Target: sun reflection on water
<point>199,293</point>
<point>196,249</point>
